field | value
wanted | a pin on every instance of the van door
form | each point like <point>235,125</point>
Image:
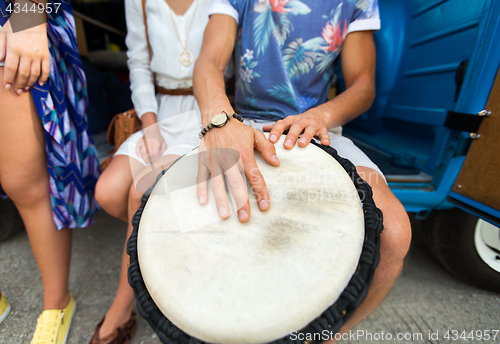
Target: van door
<point>477,187</point>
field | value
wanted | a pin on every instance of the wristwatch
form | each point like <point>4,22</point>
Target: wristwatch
<point>218,121</point>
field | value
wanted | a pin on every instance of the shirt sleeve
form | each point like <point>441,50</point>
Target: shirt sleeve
<point>223,7</point>
<point>141,76</point>
<point>365,16</point>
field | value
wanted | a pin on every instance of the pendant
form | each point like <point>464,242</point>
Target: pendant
<point>186,58</point>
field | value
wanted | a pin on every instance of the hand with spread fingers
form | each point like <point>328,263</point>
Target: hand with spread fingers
<point>223,152</point>
<point>307,125</point>
<point>26,57</point>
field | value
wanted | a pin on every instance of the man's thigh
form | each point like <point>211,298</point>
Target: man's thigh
<point>347,149</point>
<point>396,235</point>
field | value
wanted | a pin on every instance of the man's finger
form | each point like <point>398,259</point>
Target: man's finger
<point>324,137</point>
<point>202,182</point>
<point>219,191</point>
<point>239,190</point>
<point>307,136</point>
<point>257,182</point>
<point>293,134</point>
<point>268,127</point>
<point>266,149</point>
<point>278,128</point>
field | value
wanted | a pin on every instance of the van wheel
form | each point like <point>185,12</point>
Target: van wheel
<point>467,246</point>
<point>10,220</point>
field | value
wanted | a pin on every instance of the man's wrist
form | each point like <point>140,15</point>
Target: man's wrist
<point>328,115</point>
<point>215,109</point>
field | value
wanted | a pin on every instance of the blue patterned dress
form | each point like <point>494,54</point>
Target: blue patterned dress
<point>61,102</point>
<point>286,50</point>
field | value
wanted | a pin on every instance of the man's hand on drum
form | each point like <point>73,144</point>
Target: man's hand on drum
<point>152,145</point>
<point>220,152</point>
<point>26,56</point>
<point>310,124</point>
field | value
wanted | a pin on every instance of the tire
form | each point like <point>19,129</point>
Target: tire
<point>457,239</point>
<point>10,220</point>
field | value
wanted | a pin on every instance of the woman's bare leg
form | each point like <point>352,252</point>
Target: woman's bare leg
<point>123,304</point>
<point>24,177</point>
<point>113,187</point>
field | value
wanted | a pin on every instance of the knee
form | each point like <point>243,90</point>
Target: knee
<point>107,197</point>
<point>395,242</point>
<point>401,240</point>
<point>26,190</point>
<point>102,193</point>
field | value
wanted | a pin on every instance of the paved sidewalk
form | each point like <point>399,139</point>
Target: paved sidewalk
<point>425,298</point>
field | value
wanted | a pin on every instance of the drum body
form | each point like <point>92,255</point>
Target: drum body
<point>302,266</point>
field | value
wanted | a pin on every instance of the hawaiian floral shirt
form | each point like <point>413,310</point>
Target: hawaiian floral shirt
<point>286,50</point>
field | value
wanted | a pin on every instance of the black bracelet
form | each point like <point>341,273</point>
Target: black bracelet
<point>238,117</point>
<point>212,125</point>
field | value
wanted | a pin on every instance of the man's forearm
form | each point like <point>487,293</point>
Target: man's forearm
<point>349,104</point>
<point>210,90</point>
<point>208,78</point>
<point>358,58</point>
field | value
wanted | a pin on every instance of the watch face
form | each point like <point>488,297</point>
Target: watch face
<point>219,120</point>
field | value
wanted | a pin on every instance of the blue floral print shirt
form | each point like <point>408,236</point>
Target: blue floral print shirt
<point>286,50</point>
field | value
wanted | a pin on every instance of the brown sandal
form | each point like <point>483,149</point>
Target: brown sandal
<point>121,335</point>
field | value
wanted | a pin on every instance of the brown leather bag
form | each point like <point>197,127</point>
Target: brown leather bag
<point>121,127</point>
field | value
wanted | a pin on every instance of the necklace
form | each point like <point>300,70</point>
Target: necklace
<point>186,57</point>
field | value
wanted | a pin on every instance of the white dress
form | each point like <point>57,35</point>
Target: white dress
<point>178,116</point>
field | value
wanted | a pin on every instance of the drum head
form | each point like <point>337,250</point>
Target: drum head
<point>221,281</point>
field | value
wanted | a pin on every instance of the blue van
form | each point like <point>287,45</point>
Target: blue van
<point>434,128</point>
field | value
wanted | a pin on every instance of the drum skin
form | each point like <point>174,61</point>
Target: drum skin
<point>221,281</point>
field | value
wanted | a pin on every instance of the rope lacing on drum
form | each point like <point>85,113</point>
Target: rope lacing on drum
<point>330,320</point>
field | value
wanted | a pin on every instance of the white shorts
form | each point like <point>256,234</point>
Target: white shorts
<point>179,132</point>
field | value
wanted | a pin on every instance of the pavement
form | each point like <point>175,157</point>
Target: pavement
<point>425,302</point>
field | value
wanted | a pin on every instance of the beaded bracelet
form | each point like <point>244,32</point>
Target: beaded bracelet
<point>218,125</point>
